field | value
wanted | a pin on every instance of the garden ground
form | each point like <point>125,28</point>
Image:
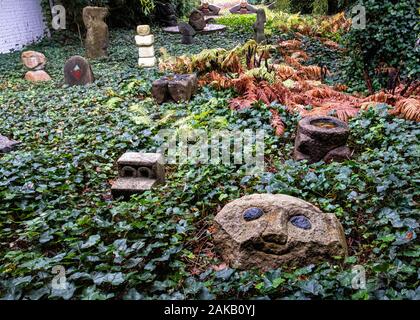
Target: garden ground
<point>56,207</point>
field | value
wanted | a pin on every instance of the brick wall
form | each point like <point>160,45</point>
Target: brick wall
<point>21,23</point>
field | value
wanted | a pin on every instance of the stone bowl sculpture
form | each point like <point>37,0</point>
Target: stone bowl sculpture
<point>209,28</point>
<point>322,138</point>
<point>268,231</point>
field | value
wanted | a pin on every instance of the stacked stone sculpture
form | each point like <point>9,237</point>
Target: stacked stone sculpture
<point>322,138</point>
<point>269,231</point>
<point>144,41</point>
<point>35,62</point>
<point>179,87</point>
<point>97,35</point>
<point>138,172</point>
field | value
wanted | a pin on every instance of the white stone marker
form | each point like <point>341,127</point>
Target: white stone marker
<point>145,40</point>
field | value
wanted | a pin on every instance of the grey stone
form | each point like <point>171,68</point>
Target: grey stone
<point>209,9</point>
<point>187,32</point>
<point>291,232</point>
<point>138,172</point>
<point>317,136</point>
<point>179,87</point>
<point>258,26</point>
<point>7,145</point>
<point>338,154</point>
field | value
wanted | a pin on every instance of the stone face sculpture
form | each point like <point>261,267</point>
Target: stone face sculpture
<point>97,35</point>
<point>165,14</point>
<point>179,87</point>
<point>243,8</point>
<point>259,26</point>
<point>138,172</point>
<point>268,231</point>
<point>7,145</point>
<point>321,138</point>
<point>187,32</point>
<point>35,62</point>
<point>77,71</point>
<point>197,20</point>
<point>145,41</point>
<point>209,9</point>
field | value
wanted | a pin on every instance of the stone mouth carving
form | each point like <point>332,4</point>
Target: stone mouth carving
<point>268,231</point>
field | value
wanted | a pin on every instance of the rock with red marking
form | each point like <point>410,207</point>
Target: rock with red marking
<point>77,71</point>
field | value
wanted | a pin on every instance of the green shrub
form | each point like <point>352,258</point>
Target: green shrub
<point>238,22</point>
<point>388,40</point>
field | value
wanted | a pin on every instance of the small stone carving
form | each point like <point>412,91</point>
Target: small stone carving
<point>179,87</point>
<point>321,138</point>
<point>243,8</point>
<point>7,145</point>
<point>268,231</point>
<point>187,32</point>
<point>97,35</point>
<point>145,41</point>
<point>197,20</point>
<point>77,71</point>
<point>259,26</point>
<point>165,14</point>
<point>138,172</point>
<point>209,9</point>
<point>35,61</point>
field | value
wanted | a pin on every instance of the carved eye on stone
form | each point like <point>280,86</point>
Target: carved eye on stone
<point>252,214</point>
<point>145,172</point>
<point>301,222</point>
<point>129,172</point>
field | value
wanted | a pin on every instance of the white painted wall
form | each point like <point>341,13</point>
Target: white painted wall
<point>21,23</point>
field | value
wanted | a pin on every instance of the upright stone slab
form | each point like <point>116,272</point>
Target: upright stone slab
<point>7,145</point>
<point>97,35</point>
<point>269,231</point>
<point>138,172</point>
<point>144,41</point>
<point>77,71</point>
<point>259,35</point>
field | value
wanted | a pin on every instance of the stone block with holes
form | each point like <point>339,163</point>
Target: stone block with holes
<point>138,172</point>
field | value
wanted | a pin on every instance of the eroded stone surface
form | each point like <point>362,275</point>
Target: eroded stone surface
<point>97,34</point>
<point>33,60</point>
<point>258,26</point>
<point>180,87</point>
<point>7,145</point>
<point>197,21</point>
<point>289,232</point>
<point>317,136</point>
<point>187,32</point>
<point>209,9</point>
<point>138,172</point>
<point>77,71</point>
<point>37,75</point>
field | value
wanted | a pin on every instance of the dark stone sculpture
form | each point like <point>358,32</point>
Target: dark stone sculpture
<point>322,138</point>
<point>180,87</point>
<point>77,71</point>
<point>243,8</point>
<point>209,9</point>
<point>165,14</point>
<point>97,35</point>
<point>187,32</point>
<point>197,20</point>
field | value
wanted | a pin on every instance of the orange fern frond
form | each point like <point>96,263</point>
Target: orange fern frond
<point>277,123</point>
<point>408,108</point>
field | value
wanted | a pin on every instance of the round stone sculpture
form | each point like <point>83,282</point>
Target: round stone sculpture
<point>268,231</point>
<point>321,138</point>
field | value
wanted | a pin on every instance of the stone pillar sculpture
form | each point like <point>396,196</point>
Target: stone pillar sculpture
<point>259,26</point>
<point>97,35</point>
<point>145,41</point>
<point>187,32</point>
